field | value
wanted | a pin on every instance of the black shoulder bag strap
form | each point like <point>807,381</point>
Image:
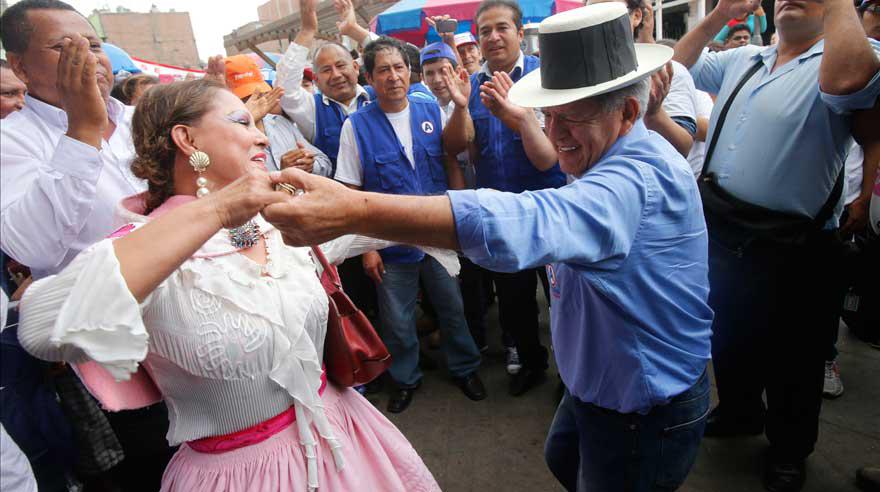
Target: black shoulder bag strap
<point>827,209</point>
<point>723,115</point>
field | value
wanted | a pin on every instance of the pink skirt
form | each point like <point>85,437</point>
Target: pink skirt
<point>377,457</point>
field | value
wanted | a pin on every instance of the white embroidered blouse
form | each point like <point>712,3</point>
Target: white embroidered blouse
<point>229,342</point>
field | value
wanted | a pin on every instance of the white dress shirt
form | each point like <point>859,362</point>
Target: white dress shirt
<point>298,103</point>
<point>59,194</point>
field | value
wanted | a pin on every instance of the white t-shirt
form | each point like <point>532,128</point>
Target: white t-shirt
<point>698,150</point>
<point>682,98</point>
<point>348,162</point>
<point>853,165</point>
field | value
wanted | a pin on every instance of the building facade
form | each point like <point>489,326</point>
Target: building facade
<point>162,37</point>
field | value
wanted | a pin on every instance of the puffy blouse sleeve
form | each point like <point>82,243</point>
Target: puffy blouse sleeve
<point>85,312</point>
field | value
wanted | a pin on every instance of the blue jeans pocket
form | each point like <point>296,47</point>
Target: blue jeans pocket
<point>680,442</point>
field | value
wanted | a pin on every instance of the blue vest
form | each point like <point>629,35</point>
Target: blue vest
<point>387,168</point>
<point>503,164</point>
<point>328,125</point>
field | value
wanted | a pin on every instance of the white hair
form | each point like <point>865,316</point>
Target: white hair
<point>614,100</point>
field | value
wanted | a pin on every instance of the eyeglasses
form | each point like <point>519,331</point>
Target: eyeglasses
<point>874,9</point>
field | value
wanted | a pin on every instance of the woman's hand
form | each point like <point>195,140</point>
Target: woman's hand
<point>325,211</point>
<point>244,198</point>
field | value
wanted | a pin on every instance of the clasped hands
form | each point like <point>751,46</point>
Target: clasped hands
<point>307,210</point>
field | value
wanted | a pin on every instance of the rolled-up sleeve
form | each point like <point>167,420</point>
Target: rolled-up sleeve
<point>592,221</point>
<point>709,70</point>
<point>863,99</point>
<point>297,103</point>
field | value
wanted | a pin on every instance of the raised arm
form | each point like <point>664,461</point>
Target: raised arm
<point>298,103</point>
<point>849,62</point>
<point>459,129</point>
<point>539,148</point>
<point>689,48</point>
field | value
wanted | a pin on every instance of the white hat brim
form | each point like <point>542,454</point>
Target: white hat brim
<point>528,92</point>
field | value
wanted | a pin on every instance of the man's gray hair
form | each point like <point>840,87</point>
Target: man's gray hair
<point>614,100</point>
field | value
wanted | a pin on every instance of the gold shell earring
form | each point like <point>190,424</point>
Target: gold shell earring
<point>200,162</point>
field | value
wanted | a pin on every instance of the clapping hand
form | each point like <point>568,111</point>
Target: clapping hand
<point>300,158</point>
<point>79,92</point>
<point>660,83</point>
<point>459,85</point>
<point>493,94</point>
<point>216,70</point>
<point>261,103</point>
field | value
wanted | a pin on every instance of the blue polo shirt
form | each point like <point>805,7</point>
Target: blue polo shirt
<point>627,250</point>
<point>784,141</point>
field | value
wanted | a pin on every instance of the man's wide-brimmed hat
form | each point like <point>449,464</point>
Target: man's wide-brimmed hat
<point>586,52</point>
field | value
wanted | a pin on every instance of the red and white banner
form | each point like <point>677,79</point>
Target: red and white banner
<point>167,73</point>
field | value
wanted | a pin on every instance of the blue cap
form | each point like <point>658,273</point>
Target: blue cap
<point>438,50</point>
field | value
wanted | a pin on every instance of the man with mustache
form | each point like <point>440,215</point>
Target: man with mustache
<point>506,159</point>
<point>771,210</point>
<point>394,146</point>
<point>66,165</point>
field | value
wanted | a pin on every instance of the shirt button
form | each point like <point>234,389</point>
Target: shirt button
<point>731,147</point>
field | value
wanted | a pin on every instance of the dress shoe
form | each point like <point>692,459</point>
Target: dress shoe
<point>472,386</point>
<point>718,425</point>
<point>524,380</point>
<point>784,477</point>
<point>401,399</point>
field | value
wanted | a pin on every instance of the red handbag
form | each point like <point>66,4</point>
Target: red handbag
<point>353,352</point>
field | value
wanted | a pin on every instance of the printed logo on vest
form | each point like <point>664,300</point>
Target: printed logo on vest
<point>427,127</point>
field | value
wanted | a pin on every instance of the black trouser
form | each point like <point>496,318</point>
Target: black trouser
<point>142,434</point>
<point>773,309</point>
<point>518,314</point>
<point>474,296</point>
<point>359,287</point>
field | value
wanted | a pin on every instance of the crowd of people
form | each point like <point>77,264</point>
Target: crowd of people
<point>679,201</point>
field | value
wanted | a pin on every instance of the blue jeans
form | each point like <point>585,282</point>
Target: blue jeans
<point>397,310</point>
<point>594,449</point>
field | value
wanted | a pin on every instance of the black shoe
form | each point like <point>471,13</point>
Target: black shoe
<point>784,477</point>
<point>719,426</point>
<point>524,380</point>
<point>472,386</point>
<point>374,386</point>
<point>401,399</point>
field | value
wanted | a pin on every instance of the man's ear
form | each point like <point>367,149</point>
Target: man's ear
<point>182,137</point>
<point>629,115</point>
<point>17,66</point>
<point>356,65</point>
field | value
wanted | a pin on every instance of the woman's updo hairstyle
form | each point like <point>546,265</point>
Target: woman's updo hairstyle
<point>161,109</point>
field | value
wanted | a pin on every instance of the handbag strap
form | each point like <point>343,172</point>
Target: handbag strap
<point>723,115</point>
<point>331,271</point>
<point>827,209</point>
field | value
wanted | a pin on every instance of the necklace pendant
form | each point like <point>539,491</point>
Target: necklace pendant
<point>245,236</point>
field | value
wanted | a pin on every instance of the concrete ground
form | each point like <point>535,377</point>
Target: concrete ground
<point>497,444</point>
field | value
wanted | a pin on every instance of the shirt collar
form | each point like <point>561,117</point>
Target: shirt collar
<point>636,133</point>
<point>520,64</point>
<point>358,92</point>
<point>769,54</point>
<point>58,117</point>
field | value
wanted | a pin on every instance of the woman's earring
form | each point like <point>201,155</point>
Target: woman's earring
<point>200,162</point>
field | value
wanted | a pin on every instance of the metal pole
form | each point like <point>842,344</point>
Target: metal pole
<point>658,20</point>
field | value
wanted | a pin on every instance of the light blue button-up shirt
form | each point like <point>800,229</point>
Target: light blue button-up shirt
<point>626,245</point>
<point>784,141</point>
